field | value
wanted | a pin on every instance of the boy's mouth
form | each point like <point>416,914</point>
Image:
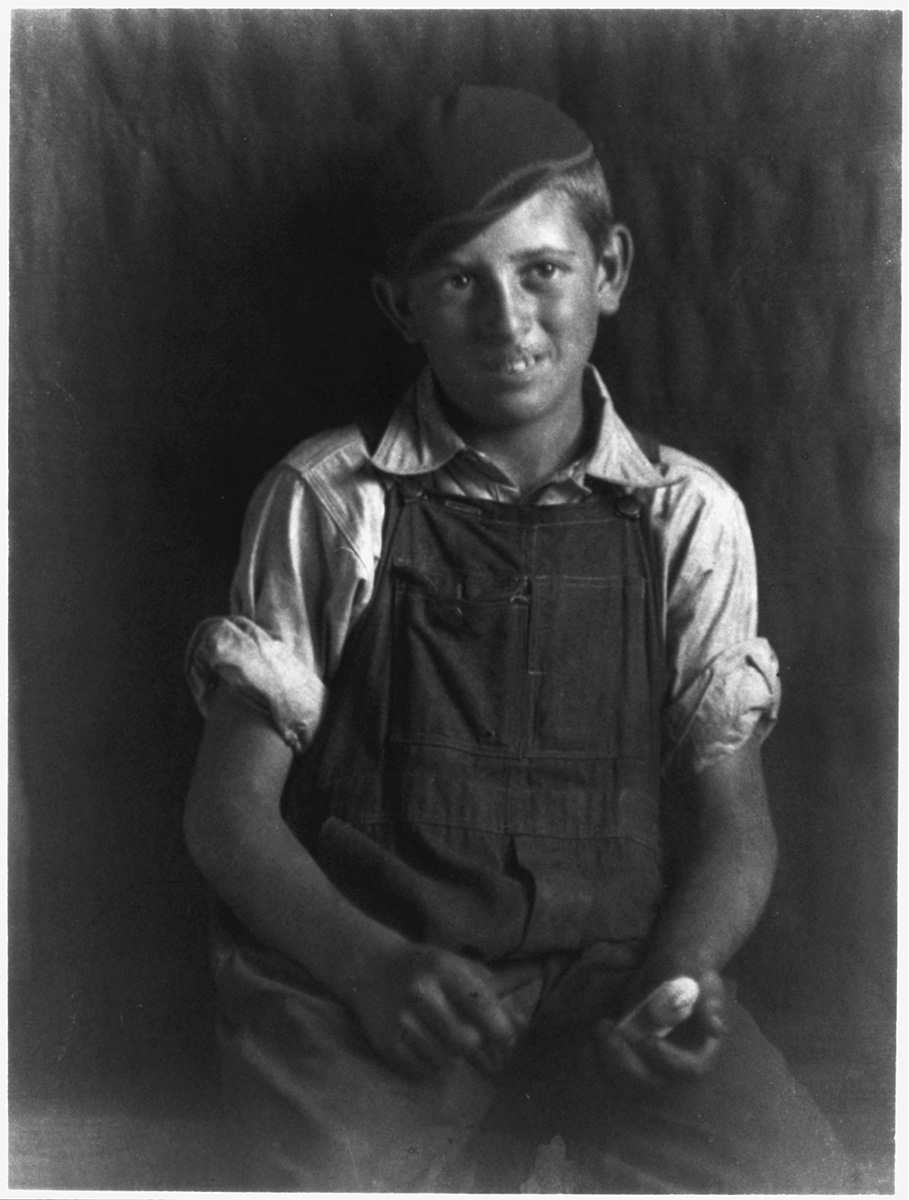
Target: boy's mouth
<point>515,363</point>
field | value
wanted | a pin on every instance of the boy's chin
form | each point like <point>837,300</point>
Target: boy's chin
<point>505,411</point>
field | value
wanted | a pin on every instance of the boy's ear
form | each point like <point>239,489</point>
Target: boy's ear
<point>614,269</point>
<point>391,297</point>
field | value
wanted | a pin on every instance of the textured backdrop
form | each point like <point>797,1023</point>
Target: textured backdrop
<point>190,265</point>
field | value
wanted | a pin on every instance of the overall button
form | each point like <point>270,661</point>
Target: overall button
<point>628,506</point>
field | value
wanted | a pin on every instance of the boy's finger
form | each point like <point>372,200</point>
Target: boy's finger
<point>488,1060</point>
<point>479,1003</point>
<point>404,1056</point>
<point>713,1016</point>
<point>418,1045</point>
<point>451,1028</point>
<point>623,1056</point>
<point>710,1011</point>
<point>668,1058</point>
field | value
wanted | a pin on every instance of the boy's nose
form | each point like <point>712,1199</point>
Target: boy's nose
<point>506,310</point>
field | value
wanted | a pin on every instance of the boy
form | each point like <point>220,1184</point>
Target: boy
<point>463,651</point>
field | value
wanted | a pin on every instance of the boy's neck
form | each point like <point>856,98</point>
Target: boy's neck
<point>530,454</point>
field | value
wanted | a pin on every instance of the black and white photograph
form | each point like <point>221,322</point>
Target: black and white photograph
<point>454,537</point>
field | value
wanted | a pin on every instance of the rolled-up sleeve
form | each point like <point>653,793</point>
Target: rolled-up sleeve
<point>297,588</point>
<point>724,684</point>
<point>264,670</point>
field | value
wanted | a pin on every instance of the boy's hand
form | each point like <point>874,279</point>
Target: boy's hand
<point>422,1008</point>
<point>687,1053</point>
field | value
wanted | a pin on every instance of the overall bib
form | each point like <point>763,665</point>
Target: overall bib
<point>487,774</point>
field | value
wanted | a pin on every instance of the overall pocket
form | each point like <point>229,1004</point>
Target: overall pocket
<point>458,660</point>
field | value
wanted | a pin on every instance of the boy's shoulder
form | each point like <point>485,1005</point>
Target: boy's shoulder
<point>329,473</point>
<point>694,496</point>
<point>331,458</point>
<point>692,474</point>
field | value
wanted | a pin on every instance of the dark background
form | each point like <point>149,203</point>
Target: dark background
<point>189,275</point>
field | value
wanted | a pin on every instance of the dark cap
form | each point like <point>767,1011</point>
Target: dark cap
<point>467,157</point>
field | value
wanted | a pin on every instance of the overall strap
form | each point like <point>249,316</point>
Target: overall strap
<point>301,772</point>
<point>651,448</point>
<point>648,444</point>
<point>630,505</point>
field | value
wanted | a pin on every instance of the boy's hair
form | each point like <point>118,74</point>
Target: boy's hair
<point>586,189</point>
<point>463,160</point>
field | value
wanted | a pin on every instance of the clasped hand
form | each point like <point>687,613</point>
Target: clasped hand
<point>687,1053</point>
<point>422,1008</point>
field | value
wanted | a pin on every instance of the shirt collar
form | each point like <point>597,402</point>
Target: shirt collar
<point>419,440</point>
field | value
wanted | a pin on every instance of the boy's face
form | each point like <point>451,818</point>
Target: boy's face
<point>508,318</point>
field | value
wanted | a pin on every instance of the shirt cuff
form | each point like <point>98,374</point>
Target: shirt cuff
<point>266,672</point>
<point>734,699</point>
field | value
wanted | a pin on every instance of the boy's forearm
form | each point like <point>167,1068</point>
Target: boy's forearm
<point>723,885</point>
<point>248,854</point>
<point>712,909</point>
<point>276,888</point>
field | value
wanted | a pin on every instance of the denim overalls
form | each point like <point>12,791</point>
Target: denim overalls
<point>486,777</point>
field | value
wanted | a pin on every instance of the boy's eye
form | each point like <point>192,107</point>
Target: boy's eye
<point>546,270</point>
<point>458,280</point>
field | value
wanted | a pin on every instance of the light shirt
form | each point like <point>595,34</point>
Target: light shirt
<point>313,538</point>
